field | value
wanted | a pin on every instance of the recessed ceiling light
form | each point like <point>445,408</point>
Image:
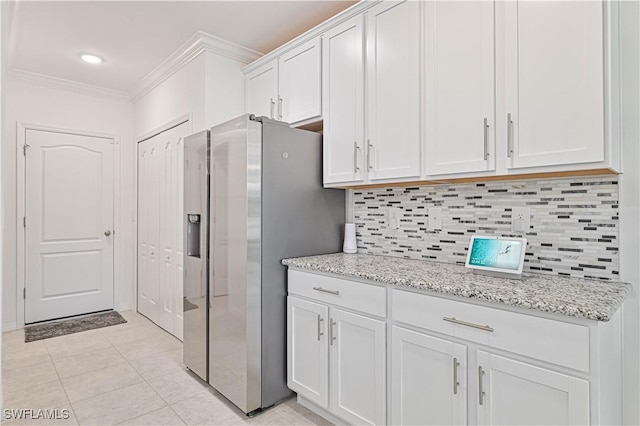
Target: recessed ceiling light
<point>91,59</point>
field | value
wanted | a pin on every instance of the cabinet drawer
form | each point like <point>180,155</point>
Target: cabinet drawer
<point>548,340</point>
<point>366,298</point>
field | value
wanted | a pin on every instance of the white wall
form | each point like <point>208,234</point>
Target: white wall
<point>181,94</point>
<point>630,203</point>
<point>36,103</point>
<point>224,89</point>
<point>210,89</point>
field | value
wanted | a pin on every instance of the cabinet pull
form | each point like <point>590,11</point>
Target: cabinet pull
<point>468,324</point>
<point>509,136</point>
<point>356,148</point>
<point>272,105</point>
<point>485,130</point>
<point>336,292</point>
<point>480,385</point>
<point>279,108</point>
<point>320,333</point>
<point>456,383</point>
<point>332,335</point>
<point>369,149</point>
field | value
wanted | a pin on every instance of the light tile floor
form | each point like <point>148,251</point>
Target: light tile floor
<point>125,374</point>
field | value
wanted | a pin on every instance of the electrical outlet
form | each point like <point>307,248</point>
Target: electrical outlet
<point>393,218</point>
<point>435,219</point>
<point>520,220</point>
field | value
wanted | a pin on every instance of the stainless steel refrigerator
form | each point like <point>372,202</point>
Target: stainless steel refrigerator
<point>253,196</point>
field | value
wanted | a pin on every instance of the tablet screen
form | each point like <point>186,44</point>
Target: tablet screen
<point>496,253</point>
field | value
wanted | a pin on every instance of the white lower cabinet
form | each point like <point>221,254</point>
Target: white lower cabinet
<point>308,366</point>
<point>450,362</point>
<point>357,368</point>
<point>428,379</point>
<point>336,358</point>
<point>515,392</point>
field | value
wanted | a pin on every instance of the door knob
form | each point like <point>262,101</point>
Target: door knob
<point>107,232</point>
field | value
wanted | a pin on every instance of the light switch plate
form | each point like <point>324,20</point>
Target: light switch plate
<point>435,219</point>
<point>520,220</point>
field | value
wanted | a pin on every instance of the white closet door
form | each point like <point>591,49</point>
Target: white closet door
<point>161,226</point>
<point>148,225</point>
<point>178,321</point>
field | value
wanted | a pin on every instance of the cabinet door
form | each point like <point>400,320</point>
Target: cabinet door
<point>428,380</point>
<point>262,90</point>
<point>148,228</point>
<point>299,83</point>
<point>516,393</point>
<point>554,85</point>
<point>343,102</point>
<point>459,81</point>
<point>358,368</point>
<point>393,90</point>
<point>307,350</point>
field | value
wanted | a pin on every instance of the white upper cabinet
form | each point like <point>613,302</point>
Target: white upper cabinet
<point>287,88</point>
<point>262,90</point>
<point>425,90</point>
<point>459,87</point>
<point>393,90</point>
<point>299,83</point>
<point>343,102</point>
<point>554,82</point>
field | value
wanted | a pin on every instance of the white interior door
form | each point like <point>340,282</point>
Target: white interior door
<point>69,225</point>
<point>171,178</point>
<point>148,228</point>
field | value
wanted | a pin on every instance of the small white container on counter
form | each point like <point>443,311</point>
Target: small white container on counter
<point>350,246</point>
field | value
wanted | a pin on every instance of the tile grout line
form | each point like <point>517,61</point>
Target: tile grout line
<point>146,382</point>
<point>62,384</point>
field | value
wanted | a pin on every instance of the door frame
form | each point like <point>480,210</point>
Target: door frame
<point>188,118</point>
<point>21,134</point>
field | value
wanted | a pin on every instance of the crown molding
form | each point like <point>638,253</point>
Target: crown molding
<point>198,43</point>
<point>69,85</point>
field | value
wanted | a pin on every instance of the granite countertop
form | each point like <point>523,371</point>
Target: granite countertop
<point>577,297</point>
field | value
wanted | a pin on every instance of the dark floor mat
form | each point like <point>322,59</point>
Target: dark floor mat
<point>72,325</point>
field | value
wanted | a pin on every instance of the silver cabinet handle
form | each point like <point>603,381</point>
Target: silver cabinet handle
<point>485,130</point>
<point>107,233</point>
<point>272,105</point>
<point>327,291</point>
<point>356,148</point>
<point>279,108</point>
<point>332,335</point>
<point>468,324</point>
<point>369,148</point>
<point>320,333</point>
<point>509,136</point>
<point>480,385</point>
<point>456,383</point>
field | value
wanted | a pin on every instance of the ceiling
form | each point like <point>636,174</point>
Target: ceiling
<point>134,37</point>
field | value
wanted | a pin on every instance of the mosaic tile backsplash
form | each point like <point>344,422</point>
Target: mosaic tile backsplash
<point>574,222</point>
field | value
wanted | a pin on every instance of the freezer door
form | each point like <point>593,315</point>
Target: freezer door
<point>234,320</point>
<point>196,214</point>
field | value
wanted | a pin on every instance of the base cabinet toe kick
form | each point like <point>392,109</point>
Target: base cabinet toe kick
<point>361,352</point>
